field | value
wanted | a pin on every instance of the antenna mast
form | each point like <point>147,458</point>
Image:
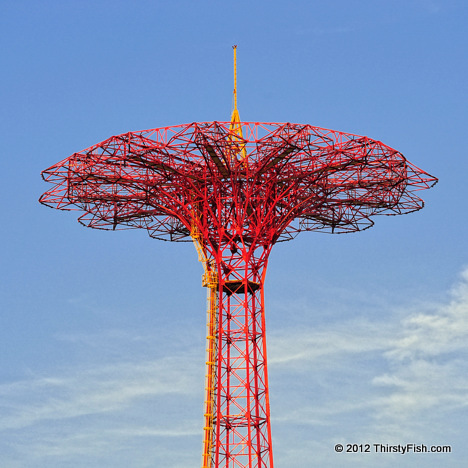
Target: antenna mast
<point>236,126</point>
<point>235,112</point>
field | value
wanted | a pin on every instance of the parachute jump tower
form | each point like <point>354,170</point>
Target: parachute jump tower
<point>235,189</point>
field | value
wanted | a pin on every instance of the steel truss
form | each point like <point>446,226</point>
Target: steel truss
<point>240,190</point>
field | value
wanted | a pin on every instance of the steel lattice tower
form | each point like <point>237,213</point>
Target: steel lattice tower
<point>235,189</point>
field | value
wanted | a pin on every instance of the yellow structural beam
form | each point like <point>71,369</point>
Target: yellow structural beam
<point>236,125</point>
<point>210,281</point>
<point>234,47</point>
<point>211,349</point>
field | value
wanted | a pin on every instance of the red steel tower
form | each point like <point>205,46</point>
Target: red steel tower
<point>236,188</point>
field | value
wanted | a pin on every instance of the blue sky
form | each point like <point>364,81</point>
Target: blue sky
<point>102,334</point>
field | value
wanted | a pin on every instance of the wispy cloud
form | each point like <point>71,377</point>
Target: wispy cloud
<point>396,380</point>
<point>427,374</point>
<point>402,378</point>
<point>436,332</point>
<point>91,391</point>
<point>96,411</point>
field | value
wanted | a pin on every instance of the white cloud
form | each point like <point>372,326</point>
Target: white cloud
<point>441,331</point>
<point>91,391</point>
<point>102,414</point>
<point>427,374</point>
<point>309,346</point>
<point>397,380</point>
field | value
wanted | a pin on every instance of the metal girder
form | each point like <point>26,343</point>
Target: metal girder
<point>189,181</point>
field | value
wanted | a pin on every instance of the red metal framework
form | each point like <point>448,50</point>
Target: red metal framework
<point>241,194</point>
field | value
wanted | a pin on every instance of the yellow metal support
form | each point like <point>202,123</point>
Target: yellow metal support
<point>210,281</point>
<point>210,374</point>
<point>234,47</point>
<point>236,125</point>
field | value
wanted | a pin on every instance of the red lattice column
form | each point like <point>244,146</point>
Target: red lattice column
<point>242,433</point>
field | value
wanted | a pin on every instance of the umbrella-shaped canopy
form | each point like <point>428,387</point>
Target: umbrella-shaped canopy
<point>274,181</point>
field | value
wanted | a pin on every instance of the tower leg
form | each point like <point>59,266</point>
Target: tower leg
<point>242,435</point>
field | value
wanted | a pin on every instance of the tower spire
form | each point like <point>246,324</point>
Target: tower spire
<point>235,80</point>
<point>236,126</point>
